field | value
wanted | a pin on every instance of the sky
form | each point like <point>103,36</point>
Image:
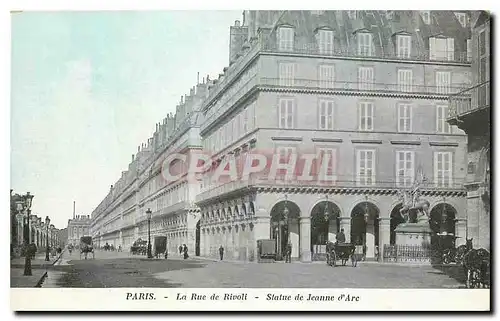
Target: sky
<point>87,88</point>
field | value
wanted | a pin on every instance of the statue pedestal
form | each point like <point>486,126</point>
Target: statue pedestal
<point>413,242</point>
<point>415,234</point>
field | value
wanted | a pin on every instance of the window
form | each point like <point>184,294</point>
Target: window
<point>365,167</point>
<point>326,42</point>
<point>443,169</point>
<point>365,44</point>
<point>245,120</point>
<point>286,74</point>
<point>462,18</point>
<point>404,46</point>
<point>426,17</point>
<point>286,38</point>
<point>326,76</point>
<point>443,80</point>
<point>405,164</point>
<point>365,78</point>
<point>405,80</point>
<point>330,155</point>
<point>442,48</point>
<point>352,14</point>
<point>286,113</point>
<point>442,125</point>
<point>326,108</point>
<point>469,50</point>
<point>285,152</point>
<point>366,116</point>
<point>483,58</point>
<point>404,118</point>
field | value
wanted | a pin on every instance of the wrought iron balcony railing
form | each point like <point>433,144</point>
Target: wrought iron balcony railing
<point>364,86</point>
<point>469,100</point>
<point>421,55</point>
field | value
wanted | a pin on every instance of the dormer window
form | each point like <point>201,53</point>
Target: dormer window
<point>442,48</point>
<point>426,17</point>
<point>352,14</point>
<point>403,46</point>
<point>364,44</point>
<point>462,18</point>
<point>285,38</point>
<point>325,41</point>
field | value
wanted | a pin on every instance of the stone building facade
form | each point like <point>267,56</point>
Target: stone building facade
<point>121,217</point>
<point>369,88</point>
<point>39,233</point>
<point>78,226</point>
<point>470,111</point>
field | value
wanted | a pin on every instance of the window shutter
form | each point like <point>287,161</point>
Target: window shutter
<point>450,48</point>
<point>432,48</point>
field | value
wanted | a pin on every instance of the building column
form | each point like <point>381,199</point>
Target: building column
<point>345,223</point>
<point>384,235</point>
<point>460,231</point>
<point>261,231</point>
<point>305,239</point>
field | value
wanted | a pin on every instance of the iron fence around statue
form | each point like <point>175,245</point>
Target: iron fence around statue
<point>407,253</point>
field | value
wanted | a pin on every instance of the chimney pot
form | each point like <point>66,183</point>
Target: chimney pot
<point>237,23</point>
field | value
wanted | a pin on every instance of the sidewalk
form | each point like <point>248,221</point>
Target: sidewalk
<point>38,270</point>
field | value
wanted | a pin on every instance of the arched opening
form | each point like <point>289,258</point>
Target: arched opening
<point>325,225</point>
<point>365,228</point>
<point>442,223</point>
<point>396,219</point>
<point>285,227</point>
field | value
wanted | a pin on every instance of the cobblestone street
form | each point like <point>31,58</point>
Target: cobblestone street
<point>118,269</point>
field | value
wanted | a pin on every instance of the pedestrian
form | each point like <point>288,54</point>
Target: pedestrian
<point>185,252</point>
<point>341,236</point>
<point>166,253</point>
<point>180,249</point>
<point>288,255</point>
<point>221,252</point>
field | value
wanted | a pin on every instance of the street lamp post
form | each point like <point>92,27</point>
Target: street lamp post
<point>47,223</point>
<point>286,212</point>
<point>26,204</point>
<point>327,219</point>
<point>149,214</point>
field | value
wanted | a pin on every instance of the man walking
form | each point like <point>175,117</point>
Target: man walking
<point>180,249</point>
<point>288,255</point>
<point>221,252</point>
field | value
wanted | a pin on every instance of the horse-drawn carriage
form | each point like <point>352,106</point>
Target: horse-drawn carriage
<point>475,262</point>
<point>86,247</point>
<point>343,252</point>
<point>139,247</point>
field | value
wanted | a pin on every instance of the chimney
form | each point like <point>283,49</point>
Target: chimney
<point>182,99</point>
<point>198,78</point>
<point>74,204</point>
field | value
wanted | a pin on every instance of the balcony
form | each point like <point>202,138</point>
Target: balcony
<point>363,86</point>
<point>421,55</point>
<point>469,102</point>
<point>343,182</point>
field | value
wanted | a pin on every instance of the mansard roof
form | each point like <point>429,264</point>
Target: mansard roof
<point>408,22</point>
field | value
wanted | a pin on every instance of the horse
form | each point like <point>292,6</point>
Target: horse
<point>85,250</point>
<point>476,264</point>
<point>462,250</point>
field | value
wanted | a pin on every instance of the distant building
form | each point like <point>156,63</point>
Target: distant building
<point>470,111</point>
<point>77,227</point>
